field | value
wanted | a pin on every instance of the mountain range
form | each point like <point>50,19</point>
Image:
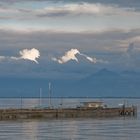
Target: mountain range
<point>103,83</point>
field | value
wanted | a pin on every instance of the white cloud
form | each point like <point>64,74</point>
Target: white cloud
<point>71,55</point>
<point>27,54</point>
<point>94,60</point>
<point>2,58</point>
<point>31,54</point>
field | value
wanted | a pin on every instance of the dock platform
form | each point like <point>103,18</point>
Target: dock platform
<point>13,114</point>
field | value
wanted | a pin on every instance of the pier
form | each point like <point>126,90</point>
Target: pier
<point>14,114</point>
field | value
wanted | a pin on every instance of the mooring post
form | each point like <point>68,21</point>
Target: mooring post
<point>123,110</point>
<point>134,110</point>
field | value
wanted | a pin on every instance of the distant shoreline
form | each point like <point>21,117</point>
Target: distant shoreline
<point>106,97</point>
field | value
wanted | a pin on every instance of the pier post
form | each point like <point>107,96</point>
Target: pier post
<point>134,110</point>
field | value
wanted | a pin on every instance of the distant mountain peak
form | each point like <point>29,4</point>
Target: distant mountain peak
<point>106,72</point>
<point>102,73</point>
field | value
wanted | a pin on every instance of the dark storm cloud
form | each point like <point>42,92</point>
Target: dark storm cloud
<point>53,40</point>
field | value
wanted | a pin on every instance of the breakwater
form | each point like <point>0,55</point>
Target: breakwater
<point>13,114</point>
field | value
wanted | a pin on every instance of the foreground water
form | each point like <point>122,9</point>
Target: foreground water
<point>69,129</point>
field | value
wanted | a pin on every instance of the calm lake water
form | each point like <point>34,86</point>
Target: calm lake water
<point>70,129</point>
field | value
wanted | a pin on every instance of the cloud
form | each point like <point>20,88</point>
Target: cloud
<point>130,48</point>
<point>2,58</point>
<point>65,9</point>
<point>133,51</point>
<point>94,60</point>
<point>112,40</point>
<point>135,39</point>
<point>60,16</point>
<point>130,58</point>
<point>4,9</point>
<point>85,8</point>
<point>71,55</point>
<point>135,3</point>
<point>105,45</point>
<point>31,55</point>
<point>27,54</point>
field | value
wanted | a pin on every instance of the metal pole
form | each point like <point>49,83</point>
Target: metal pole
<point>40,97</point>
<point>49,94</point>
<point>21,102</point>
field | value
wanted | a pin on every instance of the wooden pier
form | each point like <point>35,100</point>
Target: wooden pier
<point>14,114</point>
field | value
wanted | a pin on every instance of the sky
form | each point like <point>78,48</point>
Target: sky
<point>68,38</point>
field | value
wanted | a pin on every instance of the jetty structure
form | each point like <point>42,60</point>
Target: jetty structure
<point>92,109</point>
<point>88,110</point>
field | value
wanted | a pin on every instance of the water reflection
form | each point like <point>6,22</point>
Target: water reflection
<point>69,129</point>
<point>30,129</point>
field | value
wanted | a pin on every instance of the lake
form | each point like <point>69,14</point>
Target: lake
<point>118,128</point>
